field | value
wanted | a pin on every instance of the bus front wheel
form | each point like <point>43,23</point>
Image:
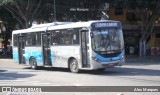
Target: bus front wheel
<point>74,66</point>
<point>33,63</point>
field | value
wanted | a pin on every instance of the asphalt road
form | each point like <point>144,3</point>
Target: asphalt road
<point>139,74</point>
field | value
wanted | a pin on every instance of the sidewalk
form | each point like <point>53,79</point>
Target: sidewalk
<point>5,57</point>
<point>132,59</point>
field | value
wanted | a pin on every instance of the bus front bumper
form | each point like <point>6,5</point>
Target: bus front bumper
<point>98,65</point>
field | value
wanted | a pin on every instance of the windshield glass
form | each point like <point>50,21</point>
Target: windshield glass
<point>109,39</point>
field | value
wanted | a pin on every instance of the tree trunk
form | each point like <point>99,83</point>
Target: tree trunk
<point>142,47</point>
<point>6,36</point>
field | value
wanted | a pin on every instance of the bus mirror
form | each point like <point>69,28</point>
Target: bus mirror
<point>54,43</point>
<point>92,35</point>
<point>84,30</point>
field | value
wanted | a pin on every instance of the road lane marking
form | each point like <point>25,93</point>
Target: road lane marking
<point>22,82</point>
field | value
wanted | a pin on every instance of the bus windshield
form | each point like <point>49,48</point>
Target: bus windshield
<point>109,39</point>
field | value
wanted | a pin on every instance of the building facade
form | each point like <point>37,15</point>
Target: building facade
<point>131,18</point>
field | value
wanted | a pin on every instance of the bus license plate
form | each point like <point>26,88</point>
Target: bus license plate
<point>111,65</point>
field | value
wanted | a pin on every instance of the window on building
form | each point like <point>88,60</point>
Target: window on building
<point>131,16</point>
<point>157,35</point>
<point>131,10</point>
<point>119,7</point>
<point>118,10</point>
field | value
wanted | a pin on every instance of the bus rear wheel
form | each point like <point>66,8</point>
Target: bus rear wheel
<point>33,63</point>
<point>73,65</point>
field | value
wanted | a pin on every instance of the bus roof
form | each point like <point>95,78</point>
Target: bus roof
<point>58,25</point>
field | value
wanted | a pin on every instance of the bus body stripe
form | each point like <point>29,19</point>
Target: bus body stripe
<point>102,59</point>
<point>15,56</point>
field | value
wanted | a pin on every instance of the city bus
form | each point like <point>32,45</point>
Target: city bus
<point>90,45</point>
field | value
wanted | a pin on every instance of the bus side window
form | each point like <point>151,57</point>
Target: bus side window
<point>28,39</point>
<point>15,40</point>
<point>62,41</point>
<point>33,38</point>
<point>38,38</point>
<point>54,38</point>
<point>76,36</point>
<point>69,36</point>
<point>65,37</point>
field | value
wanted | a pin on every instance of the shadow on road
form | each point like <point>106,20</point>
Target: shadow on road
<point>146,60</point>
<point>142,63</point>
<point>2,71</point>
<point>5,75</point>
<point>49,69</point>
<point>123,71</point>
<point>117,71</point>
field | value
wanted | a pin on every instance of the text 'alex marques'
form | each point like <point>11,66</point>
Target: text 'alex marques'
<point>146,89</point>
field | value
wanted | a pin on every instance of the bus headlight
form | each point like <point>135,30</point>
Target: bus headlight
<point>99,61</point>
<point>122,57</point>
<point>96,59</point>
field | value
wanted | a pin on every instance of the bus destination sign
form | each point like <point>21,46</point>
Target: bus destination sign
<point>105,24</point>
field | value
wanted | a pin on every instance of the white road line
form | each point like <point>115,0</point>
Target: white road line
<point>22,82</point>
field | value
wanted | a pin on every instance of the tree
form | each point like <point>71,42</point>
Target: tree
<point>24,11</point>
<point>79,10</point>
<point>27,11</point>
<point>10,24</point>
<point>149,16</point>
<point>45,13</point>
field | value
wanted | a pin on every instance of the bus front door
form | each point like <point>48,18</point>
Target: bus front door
<point>46,49</point>
<point>84,48</point>
<point>21,50</point>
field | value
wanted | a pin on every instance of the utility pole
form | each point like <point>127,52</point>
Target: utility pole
<point>54,10</point>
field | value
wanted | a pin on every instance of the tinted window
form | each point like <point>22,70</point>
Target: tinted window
<point>34,35</point>
<point>157,35</point>
<point>38,38</point>
<point>28,39</point>
<point>15,40</point>
<point>33,39</point>
<point>65,37</point>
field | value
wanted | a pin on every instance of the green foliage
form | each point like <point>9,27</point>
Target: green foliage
<point>4,2</point>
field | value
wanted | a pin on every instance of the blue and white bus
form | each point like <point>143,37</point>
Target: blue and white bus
<point>91,45</point>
